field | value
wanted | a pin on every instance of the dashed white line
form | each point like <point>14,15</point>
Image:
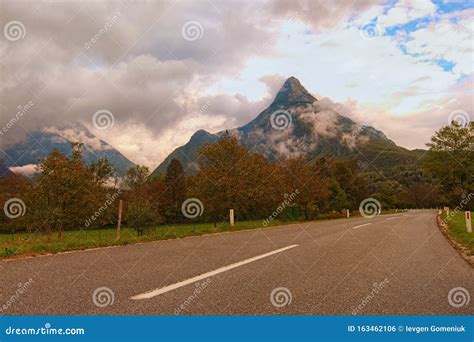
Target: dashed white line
<point>159,291</point>
<point>362,225</point>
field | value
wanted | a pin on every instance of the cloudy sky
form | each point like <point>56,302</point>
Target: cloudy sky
<point>164,69</point>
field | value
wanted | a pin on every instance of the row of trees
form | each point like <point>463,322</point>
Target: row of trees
<point>67,194</point>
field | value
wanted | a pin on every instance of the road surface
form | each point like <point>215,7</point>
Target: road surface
<point>392,264</point>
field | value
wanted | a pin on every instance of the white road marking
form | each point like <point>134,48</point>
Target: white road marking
<point>362,225</point>
<point>156,292</point>
<point>390,218</point>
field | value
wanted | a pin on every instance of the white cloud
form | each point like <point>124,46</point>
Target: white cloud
<point>155,82</point>
<point>25,170</point>
<point>405,11</point>
<point>447,39</point>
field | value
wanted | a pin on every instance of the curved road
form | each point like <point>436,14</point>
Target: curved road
<point>392,264</point>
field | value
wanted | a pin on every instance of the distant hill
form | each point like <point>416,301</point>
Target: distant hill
<point>298,124</point>
<point>40,143</point>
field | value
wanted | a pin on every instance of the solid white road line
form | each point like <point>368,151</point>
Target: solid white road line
<point>172,287</point>
<point>362,225</point>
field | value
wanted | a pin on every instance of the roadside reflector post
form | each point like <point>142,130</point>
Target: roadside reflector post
<point>348,214</point>
<point>119,221</point>
<point>468,222</point>
<point>231,217</point>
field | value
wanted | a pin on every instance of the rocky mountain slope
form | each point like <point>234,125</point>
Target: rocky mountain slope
<point>298,124</point>
<point>22,157</point>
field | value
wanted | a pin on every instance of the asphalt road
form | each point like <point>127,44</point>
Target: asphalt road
<point>391,264</point>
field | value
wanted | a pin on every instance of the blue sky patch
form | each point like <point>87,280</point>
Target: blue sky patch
<point>445,64</point>
<point>452,6</point>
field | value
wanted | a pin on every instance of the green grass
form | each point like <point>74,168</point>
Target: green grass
<point>35,243</point>
<point>457,229</point>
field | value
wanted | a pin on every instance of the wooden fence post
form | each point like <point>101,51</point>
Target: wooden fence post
<point>119,222</point>
<point>468,222</point>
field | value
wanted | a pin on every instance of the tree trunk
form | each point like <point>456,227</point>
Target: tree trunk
<point>60,233</point>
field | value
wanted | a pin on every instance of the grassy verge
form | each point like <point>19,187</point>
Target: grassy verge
<point>35,243</point>
<point>12,245</point>
<point>457,230</point>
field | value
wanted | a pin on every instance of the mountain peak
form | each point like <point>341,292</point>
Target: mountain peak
<point>293,92</point>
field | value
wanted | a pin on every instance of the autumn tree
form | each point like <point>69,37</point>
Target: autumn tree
<point>102,170</point>
<point>421,195</point>
<point>450,159</point>
<point>175,190</point>
<point>64,191</point>
<point>136,176</point>
<point>13,186</point>
<point>312,188</point>
<point>141,211</point>
<point>231,177</point>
